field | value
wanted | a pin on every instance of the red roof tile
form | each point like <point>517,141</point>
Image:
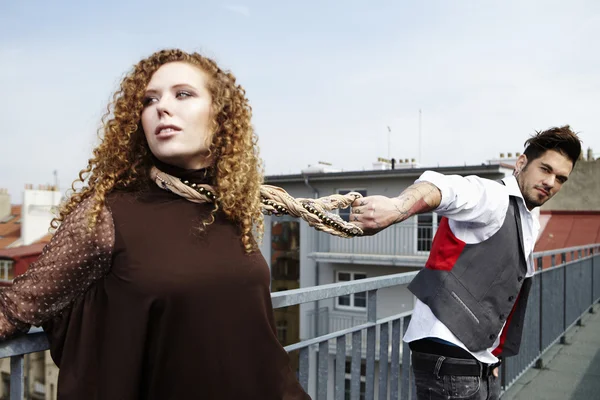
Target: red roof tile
<point>10,231</point>
<point>22,251</point>
<point>569,229</point>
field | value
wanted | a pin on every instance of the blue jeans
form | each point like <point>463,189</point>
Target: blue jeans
<point>432,384</point>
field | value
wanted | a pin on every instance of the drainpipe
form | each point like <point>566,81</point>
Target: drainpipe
<point>316,247</point>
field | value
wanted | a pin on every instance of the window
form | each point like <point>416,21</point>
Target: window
<point>426,230</point>
<point>348,380</point>
<point>345,213</point>
<point>5,386</point>
<point>6,270</point>
<point>354,301</point>
<point>282,328</point>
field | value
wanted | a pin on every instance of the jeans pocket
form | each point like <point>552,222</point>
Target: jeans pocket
<point>429,387</point>
<point>465,387</point>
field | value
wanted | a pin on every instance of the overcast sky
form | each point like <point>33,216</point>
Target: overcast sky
<point>325,78</point>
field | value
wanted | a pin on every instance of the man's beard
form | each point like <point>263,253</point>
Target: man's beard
<point>532,200</point>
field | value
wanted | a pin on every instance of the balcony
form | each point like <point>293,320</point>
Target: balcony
<point>405,244</point>
<point>359,359</point>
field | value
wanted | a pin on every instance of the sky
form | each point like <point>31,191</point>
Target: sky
<point>325,79</point>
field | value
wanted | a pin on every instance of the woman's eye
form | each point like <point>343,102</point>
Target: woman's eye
<point>183,94</point>
<point>148,100</point>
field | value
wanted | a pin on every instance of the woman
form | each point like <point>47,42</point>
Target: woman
<point>144,294</point>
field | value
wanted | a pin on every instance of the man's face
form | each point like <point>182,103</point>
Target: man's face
<point>543,177</point>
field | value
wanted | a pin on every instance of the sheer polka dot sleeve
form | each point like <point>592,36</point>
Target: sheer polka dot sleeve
<point>75,258</point>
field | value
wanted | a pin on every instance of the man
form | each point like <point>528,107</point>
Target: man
<point>472,293</point>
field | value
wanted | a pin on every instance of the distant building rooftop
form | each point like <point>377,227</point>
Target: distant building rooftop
<point>390,173</point>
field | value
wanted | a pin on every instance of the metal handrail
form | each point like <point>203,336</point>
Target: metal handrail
<point>36,340</point>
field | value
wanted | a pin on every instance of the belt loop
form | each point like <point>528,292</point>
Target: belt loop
<point>438,366</point>
<point>481,365</point>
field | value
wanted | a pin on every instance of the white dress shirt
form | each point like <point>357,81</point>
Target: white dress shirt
<point>475,208</point>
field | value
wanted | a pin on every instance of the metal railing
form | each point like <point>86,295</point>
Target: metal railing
<point>326,321</point>
<point>559,297</point>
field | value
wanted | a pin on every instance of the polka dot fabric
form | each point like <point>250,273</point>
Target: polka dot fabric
<point>74,259</point>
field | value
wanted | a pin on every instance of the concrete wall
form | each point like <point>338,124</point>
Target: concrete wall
<point>582,190</point>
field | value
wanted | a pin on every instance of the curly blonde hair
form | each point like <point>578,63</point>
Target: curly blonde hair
<point>123,159</point>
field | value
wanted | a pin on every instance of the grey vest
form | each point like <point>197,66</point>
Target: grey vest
<point>475,288</point>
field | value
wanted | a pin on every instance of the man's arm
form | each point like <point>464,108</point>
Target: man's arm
<point>375,213</point>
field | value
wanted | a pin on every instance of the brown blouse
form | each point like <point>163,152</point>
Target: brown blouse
<point>146,307</point>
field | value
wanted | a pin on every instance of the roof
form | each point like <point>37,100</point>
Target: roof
<point>568,229</point>
<point>10,227</point>
<point>22,251</point>
<point>388,173</point>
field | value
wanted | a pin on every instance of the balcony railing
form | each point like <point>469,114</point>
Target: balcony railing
<point>324,321</point>
<point>407,239</point>
<point>559,297</point>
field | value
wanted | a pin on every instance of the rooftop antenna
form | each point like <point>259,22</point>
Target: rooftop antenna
<point>389,141</point>
<point>420,159</point>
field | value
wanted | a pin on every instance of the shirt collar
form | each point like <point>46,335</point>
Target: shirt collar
<point>513,190</point>
<point>513,186</point>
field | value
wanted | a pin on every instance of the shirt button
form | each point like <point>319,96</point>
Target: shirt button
<point>511,298</point>
<point>520,278</point>
<point>492,336</point>
<point>502,317</point>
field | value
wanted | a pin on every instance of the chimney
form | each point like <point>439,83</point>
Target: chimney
<point>37,211</point>
<point>509,155</point>
<point>501,155</point>
<point>590,154</point>
<point>4,203</point>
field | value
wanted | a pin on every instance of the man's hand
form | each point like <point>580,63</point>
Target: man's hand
<point>375,213</point>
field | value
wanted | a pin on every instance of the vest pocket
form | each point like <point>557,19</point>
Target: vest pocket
<point>465,307</point>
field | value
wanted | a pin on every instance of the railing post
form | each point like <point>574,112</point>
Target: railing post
<point>591,253</point>
<point>323,370</point>
<point>503,376</point>
<point>563,338</point>
<point>540,362</point>
<point>17,388</point>
<point>371,333</point>
<point>303,367</point>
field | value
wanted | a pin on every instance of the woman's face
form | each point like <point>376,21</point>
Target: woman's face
<point>176,115</point>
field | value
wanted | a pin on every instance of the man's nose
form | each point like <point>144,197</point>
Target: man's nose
<point>550,180</point>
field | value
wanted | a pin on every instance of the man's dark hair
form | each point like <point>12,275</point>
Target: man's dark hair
<point>561,139</point>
